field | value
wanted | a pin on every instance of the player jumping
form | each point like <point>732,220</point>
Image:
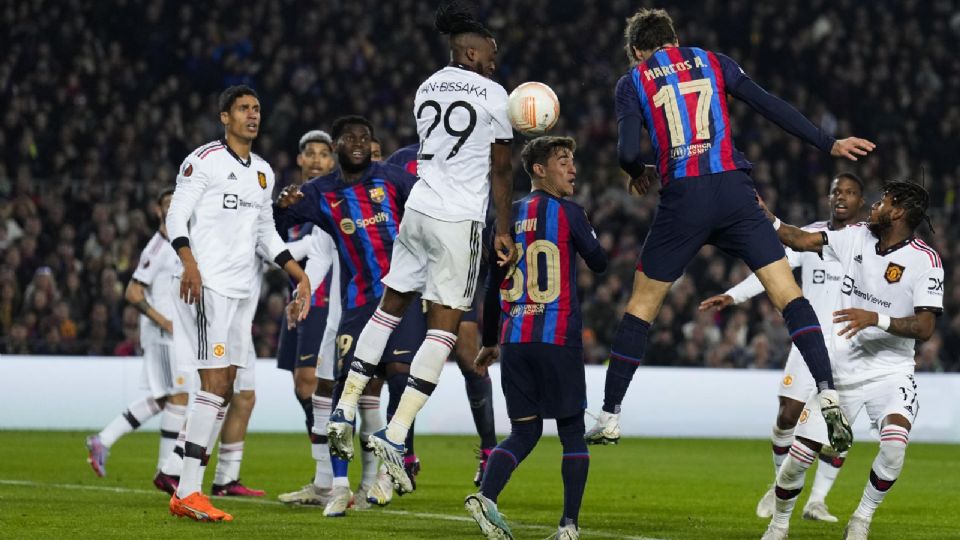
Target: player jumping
<point>679,94</point>
<point>464,137</point>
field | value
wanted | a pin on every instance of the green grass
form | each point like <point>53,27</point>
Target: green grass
<point>643,488</point>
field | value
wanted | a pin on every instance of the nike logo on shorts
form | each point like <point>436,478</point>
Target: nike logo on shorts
<point>397,351</point>
<point>306,357</point>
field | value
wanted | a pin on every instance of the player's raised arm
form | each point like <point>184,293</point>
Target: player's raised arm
<point>501,172</point>
<point>786,116</point>
<point>191,183</point>
<point>794,238</point>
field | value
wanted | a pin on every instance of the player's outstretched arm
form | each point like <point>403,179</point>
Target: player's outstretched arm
<point>851,147</point>
<point>795,238</point>
<point>501,171</point>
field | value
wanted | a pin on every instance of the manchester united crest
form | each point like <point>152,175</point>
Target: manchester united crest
<point>262,178</point>
<point>894,273</point>
<point>377,194</point>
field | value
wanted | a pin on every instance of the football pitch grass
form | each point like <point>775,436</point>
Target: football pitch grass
<point>643,488</point>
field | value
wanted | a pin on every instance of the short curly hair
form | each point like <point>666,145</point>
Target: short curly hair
<point>912,198</point>
<point>646,30</point>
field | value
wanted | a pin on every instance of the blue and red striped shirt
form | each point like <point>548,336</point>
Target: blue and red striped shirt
<point>405,158</point>
<point>363,218</point>
<point>538,296</point>
<point>679,95</point>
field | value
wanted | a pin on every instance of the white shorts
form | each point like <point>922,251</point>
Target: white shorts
<point>160,374</point>
<point>893,394</point>
<point>214,332</point>
<point>438,259</point>
<point>246,376</point>
<point>327,357</point>
<point>797,382</point>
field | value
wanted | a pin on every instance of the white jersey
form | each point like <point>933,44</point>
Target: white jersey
<point>223,206</point>
<point>459,114</point>
<point>819,280</point>
<point>897,282</point>
<point>158,264</point>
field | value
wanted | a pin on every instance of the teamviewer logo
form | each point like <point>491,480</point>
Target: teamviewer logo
<point>230,201</point>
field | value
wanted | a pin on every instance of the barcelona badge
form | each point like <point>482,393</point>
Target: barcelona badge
<point>377,194</point>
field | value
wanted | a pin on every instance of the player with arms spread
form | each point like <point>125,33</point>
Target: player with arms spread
<point>464,137</point>
<point>891,294</point>
<point>679,94</point>
<point>533,306</point>
<point>821,285</point>
<point>220,211</point>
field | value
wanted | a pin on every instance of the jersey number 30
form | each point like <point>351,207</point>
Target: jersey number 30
<point>461,134</point>
<point>666,97</point>
<point>539,293</point>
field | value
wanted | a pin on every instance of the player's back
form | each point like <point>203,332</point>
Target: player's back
<point>459,114</point>
<point>539,297</point>
<point>682,98</point>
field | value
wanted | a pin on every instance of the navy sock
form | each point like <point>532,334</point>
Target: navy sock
<point>626,355</point>
<point>307,405</point>
<point>508,455</point>
<point>576,463</point>
<point>480,395</point>
<point>396,383</point>
<point>808,337</point>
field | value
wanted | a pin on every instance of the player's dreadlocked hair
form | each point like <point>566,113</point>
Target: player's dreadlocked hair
<point>646,30</point>
<point>913,199</point>
<point>453,18</point>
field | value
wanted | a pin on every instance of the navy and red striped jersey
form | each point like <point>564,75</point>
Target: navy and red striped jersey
<point>405,158</point>
<point>679,95</point>
<point>363,218</point>
<point>538,295</point>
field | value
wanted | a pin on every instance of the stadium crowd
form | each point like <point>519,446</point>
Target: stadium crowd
<point>105,98</point>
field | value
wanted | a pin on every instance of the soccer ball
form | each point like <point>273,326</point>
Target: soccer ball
<point>533,108</point>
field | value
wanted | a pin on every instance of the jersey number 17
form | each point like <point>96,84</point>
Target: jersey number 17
<point>666,98</point>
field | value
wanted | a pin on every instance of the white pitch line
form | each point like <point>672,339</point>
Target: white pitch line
<point>426,515</point>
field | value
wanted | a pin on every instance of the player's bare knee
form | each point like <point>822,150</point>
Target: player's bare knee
<point>324,388</point>
<point>789,413</point>
<point>217,381</point>
<point>647,297</point>
<point>179,399</point>
<point>375,386</point>
<point>443,318</point>
<point>244,400</point>
<point>394,302</point>
<point>304,382</point>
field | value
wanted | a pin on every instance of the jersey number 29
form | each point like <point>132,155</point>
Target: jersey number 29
<point>461,134</point>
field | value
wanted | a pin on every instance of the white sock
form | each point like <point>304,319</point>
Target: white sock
<point>424,375</point>
<point>341,481</point>
<point>229,459</point>
<point>370,345</point>
<point>827,470</point>
<point>214,437</point>
<point>171,422</point>
<point>886,469</point>
<point>323,477</point>
<point>201,422</point>
<point>136,414</point>
<point>780,440</point>
<point>371,421</point>
<point>173,465</point>
<point>790,481</point>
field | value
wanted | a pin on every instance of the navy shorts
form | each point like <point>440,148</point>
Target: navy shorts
<point>299,347</point>
<point>718,209</point>
<point>540,379</point>
<point>401,346</point>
